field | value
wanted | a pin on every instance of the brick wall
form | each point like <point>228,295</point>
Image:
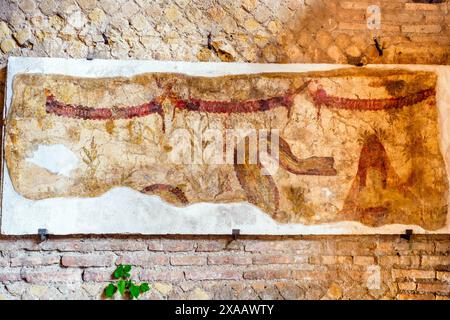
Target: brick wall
<point>332,267</point>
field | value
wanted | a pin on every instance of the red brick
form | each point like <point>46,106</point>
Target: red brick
<point>390,28</point>
<point>443,275</point>
<point>404,296</point>
<point>45,276</point>
<point>188,260</point>
<point>235,245</point>
<point>267,274</point>
<point>349,275</point>
<point>230,259</point>
<point>155,245</point>
<point>14,245</point>
<point>279,259</point>
<point>363,260</point>
<point>8,274</point>
<point>4,262</point>
<point>443,247</point>
<point>35,259</point>
<point>413,274</point>
<point>355,247</point>
<point>361,5</point>
<point>330,260</point>
<point>422,28</point>
<point>162,275</point>
<point>355,15</point>
<point>171,246</point>
<point>431,261</point>
<point>434,18</point>
<point>402,261</point>
<point>407,286</point>
<point>143,259</point>
<point>310,275</point>
<point>120,245</point>
<point>423,247</point>
<point>67,245</point>
<point>421,7</point>
<point>409,261</point>
<point>88,260</point>
<point>414,247</point>
<point>208,274</point>
<point>178,246</point>
<point>434,287</point>
<point>98,275</point>
<point>299,246</point>
<point>384,248</point>
<point>210,246</point>
<point>388,261</point>
<point>402,18</point>
<point>352,26</point>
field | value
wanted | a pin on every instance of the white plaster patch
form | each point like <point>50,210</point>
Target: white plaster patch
<point>327,192</point>
<point>55,158</point>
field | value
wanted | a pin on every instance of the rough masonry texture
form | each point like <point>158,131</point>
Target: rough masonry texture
<point>308,31</point>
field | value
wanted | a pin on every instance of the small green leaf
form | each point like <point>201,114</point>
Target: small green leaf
<point>110,290</point>
<point>121,287</point>
<point>127,268</point>
<point>126,271</point>
<point>118,273</point>
<point>134,291</point>
<point>144,287</point>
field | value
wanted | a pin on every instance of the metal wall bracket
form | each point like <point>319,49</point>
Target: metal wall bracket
<point>235,233</point>
<point>43,234</point>
<point>407,235</point>
<point>90,56</point>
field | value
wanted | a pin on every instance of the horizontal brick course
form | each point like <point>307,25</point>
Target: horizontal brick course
<point>210,274</point>
<point>422,28</point>
<point>93,260</point>
<point>10,274</point>
<point>97,275</point>
<point>267,274</point>
<point>171,246</point>
<point>279,259</point>
<point>443,275</point>
<point>421,6</point>
<point>45,276</point>
<point>188,260</point>
<point>75,245</point>
<point>434,287</point>
<point>143,259</point>
<point>413,274</point>
<point>310,247</point>
<point>414,296</point>
<point>407,286</point>
<point>430,261</point>
<point>229,259</point>
<point>162,275</point>
<point>35,259</point>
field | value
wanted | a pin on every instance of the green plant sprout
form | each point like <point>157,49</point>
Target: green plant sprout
<point>124,285</point>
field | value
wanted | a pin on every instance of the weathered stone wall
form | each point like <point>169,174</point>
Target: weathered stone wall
<point>306,31</point>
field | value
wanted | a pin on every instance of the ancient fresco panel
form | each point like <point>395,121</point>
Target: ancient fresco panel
<point>309,148</point>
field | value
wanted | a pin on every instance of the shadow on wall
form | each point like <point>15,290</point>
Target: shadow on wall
<point>332,32</point>
<point>326,31</point>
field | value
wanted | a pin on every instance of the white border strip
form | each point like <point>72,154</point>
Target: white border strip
<point>94,216</point>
